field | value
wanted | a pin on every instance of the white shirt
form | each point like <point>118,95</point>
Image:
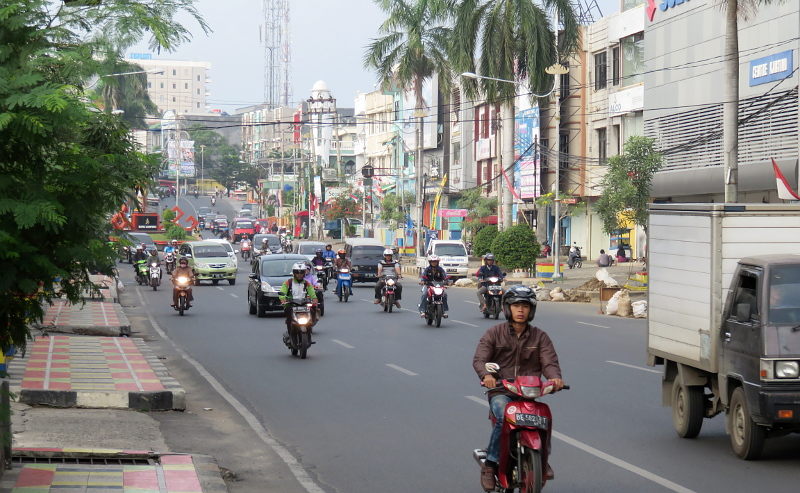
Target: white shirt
<point>298,290</point>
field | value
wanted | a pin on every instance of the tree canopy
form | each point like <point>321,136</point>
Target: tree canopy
<point>65,166</point>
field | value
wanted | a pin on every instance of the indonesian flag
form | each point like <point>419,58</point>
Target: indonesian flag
<point>785,191</point>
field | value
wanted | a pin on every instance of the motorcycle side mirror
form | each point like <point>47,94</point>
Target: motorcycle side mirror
<point>492,367</point>
<point>236,251</point>
<point>187,255</point>
<point>253,276</point>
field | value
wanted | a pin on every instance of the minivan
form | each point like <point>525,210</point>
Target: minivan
<point>452,255</point>
<point>364,254</point>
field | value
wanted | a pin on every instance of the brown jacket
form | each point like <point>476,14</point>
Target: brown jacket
<point>531,354</point>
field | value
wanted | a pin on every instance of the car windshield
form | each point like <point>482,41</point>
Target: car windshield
<point>244,225</point>
<point>784,311</point>
<point>274,241</point>
<point>277,267</point>
<point>209,251</point>
<point>203,210</point>
<point>450,250</point>
<point>308,249</point>
<point>369,251</point>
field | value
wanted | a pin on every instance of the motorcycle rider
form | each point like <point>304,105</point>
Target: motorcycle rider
<point>172,247</point>
<point>389,267</point>
<point>432,273</point>
<point>264,250</point>
<point>245,242</point>
<point>318,259</point>
<point>341,262</point>
<point>213,201</point>
<point>184,270</point>
<point>138,256</point>
<point>487,270</point>
<point>296,288</point>
<point>329,254</point>
<point>520,349</point>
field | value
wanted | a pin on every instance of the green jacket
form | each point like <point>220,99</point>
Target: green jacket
<point>285,294</point>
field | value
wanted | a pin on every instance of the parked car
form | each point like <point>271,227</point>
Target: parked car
<point>210,261</point>
<point>267,275</point>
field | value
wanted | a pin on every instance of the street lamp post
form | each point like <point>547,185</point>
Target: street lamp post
<point>202,168</point>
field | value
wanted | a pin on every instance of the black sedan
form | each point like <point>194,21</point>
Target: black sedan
<point>266,278</point>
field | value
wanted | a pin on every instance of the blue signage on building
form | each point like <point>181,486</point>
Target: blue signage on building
<point>141,56</point>
<point>771,68</point>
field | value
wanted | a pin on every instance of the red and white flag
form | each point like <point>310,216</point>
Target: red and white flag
<point>785,191</point>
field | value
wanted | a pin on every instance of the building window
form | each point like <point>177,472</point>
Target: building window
<point>198,105</point>
<point>149,85</point>
<point>186,85</point>
<point>632,124</point>
<point>632,59</point>
<point>198,92</point>
<point>198,78</point>
<point>563,151</point>
<point>173,72</point>
<point>173,99</point>
<point>565,83</point>
<point>601,145</point>
<point>162,85</point>
<point>174,86</point>
<point>615,66</point>
<point>600,71</point>
<point>544,150</point>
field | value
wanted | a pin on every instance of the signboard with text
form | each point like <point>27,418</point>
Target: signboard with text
<point>145,221</point>
<point>452,213</point>
<point>771,68</point>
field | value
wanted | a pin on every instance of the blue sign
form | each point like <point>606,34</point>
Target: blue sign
<point>666,4</point>
<point>141,56</point>
<point>771,68</point>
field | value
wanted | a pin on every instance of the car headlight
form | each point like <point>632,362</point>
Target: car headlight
<point>787,369</point>
<point>201,265</point>
<point>267,288</point>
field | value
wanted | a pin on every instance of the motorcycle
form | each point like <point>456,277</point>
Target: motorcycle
<point>388,293</point>
<point>328,272</point>
<point>344,282</point>
<point>435,309</point>
<point>182,284</point>
<point>298,338</point>
<point>169,262</point>
<point>213,201</point>
<point>575,261</point>
<point>525,437</point>
<point>320,300</point>
<point>245,250</point>
<point>493,296</point>
<point>155,275</point>
<point>322,275</point>
<point>141,272</point>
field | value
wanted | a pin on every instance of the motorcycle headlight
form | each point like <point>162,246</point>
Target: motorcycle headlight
<point>438,290</point>
<point>531,391</point>
<point>154,264</point>
<point>182,280</point>
<point>390,282</point>
<point>787,369</point>
<point>344,271</point>
<point>303,319</point>
<point>267,288</point>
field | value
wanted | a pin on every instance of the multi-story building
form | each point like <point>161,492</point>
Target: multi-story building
<point>684,95</point>
<point>177,85</point>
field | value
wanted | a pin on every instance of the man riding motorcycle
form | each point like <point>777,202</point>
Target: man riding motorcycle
<point>432,273</point>
<point>184,270</point>
<point>172,247</point>
<point>520,349</point>
<point>298,287</point>
<point>264,250</point>
<point>488,269</point>
<point>329,254</point>
<point>341,262</point>
<point>388,267</point>
<point>318,259</point>
<point>138,256</point>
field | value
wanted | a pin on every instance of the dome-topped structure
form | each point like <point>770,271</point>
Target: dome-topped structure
<point>320,86</point>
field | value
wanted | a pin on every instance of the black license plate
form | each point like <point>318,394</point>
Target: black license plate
<point>217,276</point>
<point>452,270</point>
<point>532,420</point>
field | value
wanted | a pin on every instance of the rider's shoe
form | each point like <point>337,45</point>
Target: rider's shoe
<point>488,482</point>
<point>377,301</point>
<point>422,314</point>
<point>444,314</point>
<point>397,304</point>
<point>548,473</point>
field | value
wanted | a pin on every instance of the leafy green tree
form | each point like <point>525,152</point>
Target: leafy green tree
<point>484,240</point>
<point>395,210</point>
<point>344,206</point>
<point>626,185</point>
<point>221,160</point>
<point>516,247</point>
<point>478,207</point>
<point>127,93</point>
<point>65,167</point>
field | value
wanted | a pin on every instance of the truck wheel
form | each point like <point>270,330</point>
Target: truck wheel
<point>688,409</point>
<point>747,438</point>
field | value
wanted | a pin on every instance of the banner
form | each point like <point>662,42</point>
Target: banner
<point>527,171</point>
<point>452,213</point>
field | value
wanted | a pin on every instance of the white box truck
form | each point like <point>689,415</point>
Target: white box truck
<point>724,317</point>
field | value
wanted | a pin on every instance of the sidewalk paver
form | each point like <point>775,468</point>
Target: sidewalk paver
<point>54,470</point>
<point>91,318</point>
<point>94,372</point>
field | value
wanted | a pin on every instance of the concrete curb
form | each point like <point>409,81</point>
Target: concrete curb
<point>85,330</point>
<point>173,397</point>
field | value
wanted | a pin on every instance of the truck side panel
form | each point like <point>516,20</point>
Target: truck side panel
<point>680,251</point>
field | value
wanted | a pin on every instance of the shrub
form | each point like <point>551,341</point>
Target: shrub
<point>168,215</point>
<point>174,231</point>
<point>483,240</point>
<point>516,247</point>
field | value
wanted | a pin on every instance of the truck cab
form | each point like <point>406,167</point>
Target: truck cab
<point>760,350</point>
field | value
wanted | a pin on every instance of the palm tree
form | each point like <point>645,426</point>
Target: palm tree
<point>413,48</point>
<point>734,9</point>
<point>513,40</point>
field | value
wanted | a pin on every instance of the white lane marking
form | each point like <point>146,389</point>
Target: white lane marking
<point>666,483</point>
<point>401,370</point>
<point>593,325</point>
<point>291,462</point>
<point>234,295</point>
<point>342,343</point>
<point>633,366</point>
<point>463,323</point>
<point>220,288</point>
<point>471,302</point>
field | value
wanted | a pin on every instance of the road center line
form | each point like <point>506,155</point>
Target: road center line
<point>666,483</point>
<point>234,295</point>
<point>593,325</point>
<point>633,366</point>
<point>463,323</point>
<point>471,302</point>
<point>401,370</point>
<point>342,343</point>
<point>220,288</point>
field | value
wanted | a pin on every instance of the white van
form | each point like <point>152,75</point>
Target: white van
<point>453,255</point>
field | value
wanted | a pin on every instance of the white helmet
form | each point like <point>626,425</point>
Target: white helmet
<point>433,258</point>
<point>388,251</point>
<point>299,267</point>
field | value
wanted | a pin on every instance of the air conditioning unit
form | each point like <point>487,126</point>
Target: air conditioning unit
<point>329,174</point>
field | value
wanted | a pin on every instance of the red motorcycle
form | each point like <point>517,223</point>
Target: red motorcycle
<point>435,307</point>
<point>525,438</point>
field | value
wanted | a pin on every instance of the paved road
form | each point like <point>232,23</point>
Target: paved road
<point>385,403</point>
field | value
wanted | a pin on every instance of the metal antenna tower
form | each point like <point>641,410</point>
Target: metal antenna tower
<point>584,9</point>
<point>277,52</point>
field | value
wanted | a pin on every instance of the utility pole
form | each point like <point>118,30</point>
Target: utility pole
<point>420,191</point>
<point>730,114</point>
<point>202,168</point>
<point>556,198</point>
<point>178,152</point>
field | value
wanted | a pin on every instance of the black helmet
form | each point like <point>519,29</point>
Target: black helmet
<point>318,251</point>
<point>516,294</point>
<point>488,256</point>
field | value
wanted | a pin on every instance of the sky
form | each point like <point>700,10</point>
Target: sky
<point>328,41</point>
